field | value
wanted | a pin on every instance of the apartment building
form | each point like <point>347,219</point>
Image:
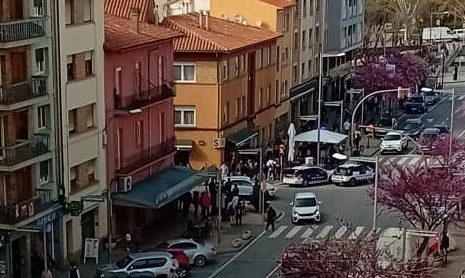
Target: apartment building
<point>277,16</point>
<point>225,76</point>
<point>30,211</point>
<point>80,119</point>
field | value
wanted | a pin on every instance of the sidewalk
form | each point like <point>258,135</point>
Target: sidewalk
<point>174,226</point>
<point>456,258</point>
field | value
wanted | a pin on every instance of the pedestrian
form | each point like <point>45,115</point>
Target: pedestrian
<point>74,271</point>
<point>224,170</point>
<point>186,202</point>
<point>205,203</point>
<point>270,217</point>
<point>231,213</point>
<point>235,190</point>
<point>445,245</point>
<point>195,202</point>
<point>239,214</point>
<point>346,127</point>
<point>128,242</point>
<point>357,140</point>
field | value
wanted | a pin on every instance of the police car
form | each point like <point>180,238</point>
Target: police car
<point>306,175</point>
<point>352,173</point>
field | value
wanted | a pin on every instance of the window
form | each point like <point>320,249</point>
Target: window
<point>137,77</point>
<point>270,50</point>
<point>344,9</point>
<point>138,133</point>
<point>260,97</point>
<point>141,264</point>
<point>70,61</point>
<point>73,178</point>
<point>184,116</point>
<point>270,133</point>
<point>304,8</point>
<point>304,37</point>
<point>118,80</point>
<point>91,171</point>
<point>184,72</point>
<point>44,171</point>
<point>72,121</point>
<point>286,54</point>
<point>156,262</point>
<point>69,11</point>
<point>318,5</point>
<point>38,8</point>
<point>309,67</point>
<point>242,63</point>
<point>225,117</point>
<point>259,57</point>
<point>40,54</point>
<point>310,38</point>
<point>296,40</point>
<point>161,70</point>
<point>302,70</point>
<point>236,66</point>
<point>42,116</point>
<point>224,70</point>
<point>276,85</point>
<point>278,52</point>
<point>243,112</point>
<point>317,34</point>
<point>238,107</point>
<point>89,65</point>
<point>268,94</point>
<point>162,128</point>
<point>90,116</point>
<point>295,73</point>
<point>344,37</point>
<point>87,10</point>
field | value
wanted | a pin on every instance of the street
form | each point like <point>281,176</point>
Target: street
<point>347,212</point>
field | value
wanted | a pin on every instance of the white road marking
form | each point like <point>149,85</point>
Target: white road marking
<point>218,271</point>
<point>273,271</point>
<point>340,232</point>
<point>355,234</point>
<point>278,231</point>
<point>461,97</point>
<point>371,233</point>
<point>324,232</point>
<point>402,160</point>
<point>293,232</point>
<point>462,133</point>
<point>308,232</point>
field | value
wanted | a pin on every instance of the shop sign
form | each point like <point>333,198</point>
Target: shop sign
<point>91,249</point>
<point>47,219</point>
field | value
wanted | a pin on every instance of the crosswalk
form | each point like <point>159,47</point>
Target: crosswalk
<point>319,232</point>
<point>408,160</point>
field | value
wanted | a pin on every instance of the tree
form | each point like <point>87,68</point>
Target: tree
<point>346,258</point>
<point>455,6</point>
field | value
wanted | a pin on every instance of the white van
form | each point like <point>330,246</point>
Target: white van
<point>460,33</point>
<point>443,34</point>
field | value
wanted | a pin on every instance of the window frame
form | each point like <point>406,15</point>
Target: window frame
<point>91,109</point>
<point>47,176</point>
<point>72,126</point>
<point>70,67</point>
<point>91,165</point>
<point>91,11</point>
<point>89,57</point>
<point>182,110</point>
<point>43,113</point>
<point>182,65</point>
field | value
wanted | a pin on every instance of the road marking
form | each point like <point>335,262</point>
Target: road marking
<point>324,232</point>
<point>273,271</point>
<point>218,271</point>
<point>402,160</point>
<point>355,234</point>
<point>461,97</point>
<point>462,133</point>
<point>370,234</point>
<point>340,232</point>
<point>278,231</point>
<point>293,232</point>
<point>308,232</point>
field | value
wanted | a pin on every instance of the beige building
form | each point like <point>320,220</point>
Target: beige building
<point>277,16</point>
<point>80,117</point>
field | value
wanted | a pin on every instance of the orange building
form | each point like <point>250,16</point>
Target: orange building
<point>225,76</point>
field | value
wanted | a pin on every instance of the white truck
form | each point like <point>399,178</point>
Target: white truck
<point>439,34</point>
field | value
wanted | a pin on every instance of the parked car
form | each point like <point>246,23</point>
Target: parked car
<point>246,186</point>
<point>416,104</point>
<point>199,253</point>
<point>305,206</point>
<point>351,173</point>
<point>306,175</point>
<point>159,264</point>
<point>180,256</point>
<point>393,142</point>
<point>431,97</point>
<point>412,128</point>
<point>460,33</point>
<point>443,129</point>
<point>428,139</point>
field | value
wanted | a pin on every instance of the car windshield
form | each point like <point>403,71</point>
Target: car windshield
<point>393,137</point>
<point>124,262</point>
<point>430,94</point>
<point>343,171</point>
<point>416,99</point>
<point>305,202</point>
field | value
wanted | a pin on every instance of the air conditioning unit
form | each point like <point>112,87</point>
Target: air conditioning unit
<point>125,184</point>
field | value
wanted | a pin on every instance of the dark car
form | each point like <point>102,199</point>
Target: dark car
<point>415,104</point>
<point>428,139</point>
<point>443,129</point>
<point>412,128</point>
<point>384,126</point>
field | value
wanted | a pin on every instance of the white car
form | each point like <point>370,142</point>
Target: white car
<point>352,173</point>
<point>246,185</point>
<point>305,206</point>
<point>393,142</point>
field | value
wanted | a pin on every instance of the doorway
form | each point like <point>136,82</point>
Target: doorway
<point>88,225</point>
<point>19,258</point>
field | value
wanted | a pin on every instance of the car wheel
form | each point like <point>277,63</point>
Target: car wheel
<point>200,260</point>
<point>353,182</point>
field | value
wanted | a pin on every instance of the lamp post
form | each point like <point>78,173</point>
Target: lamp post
<point>339,103</point>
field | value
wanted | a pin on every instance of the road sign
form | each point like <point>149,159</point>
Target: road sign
<point>75,207</point>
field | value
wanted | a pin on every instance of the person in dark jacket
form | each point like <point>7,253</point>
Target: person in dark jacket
<point>74,271</point>
<point>270,217</point>
<point>196,202</point>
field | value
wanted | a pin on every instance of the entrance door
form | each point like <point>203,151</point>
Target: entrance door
<point>18,66</point>
<point>69,239</point>
<point>19,261</point>
<point>22,120</point>
<point>88,225</point>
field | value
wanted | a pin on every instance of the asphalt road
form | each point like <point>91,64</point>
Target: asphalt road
<point>347,212</point>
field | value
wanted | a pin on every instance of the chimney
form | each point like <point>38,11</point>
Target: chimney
<point>156,17</point>
<point>201,19</point>
<point>135,17</point>
<point>207,20</point>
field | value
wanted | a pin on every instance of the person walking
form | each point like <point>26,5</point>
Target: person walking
<point>445,245</point>
<point>128,242</point>
<point>74,271</point>
<point>205,203</point>
<point>195,202</point>
<point>270,218</point>
<point>239,214</point>
<point>235,190</point>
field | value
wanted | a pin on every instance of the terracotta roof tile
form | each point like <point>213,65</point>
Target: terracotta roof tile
<point>122,8</point>
<point>223,36</point>
<point>121,34</point>
<point>280,3</point>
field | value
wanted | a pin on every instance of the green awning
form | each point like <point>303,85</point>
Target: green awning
<point>160,189</point>
<point>242,136</point>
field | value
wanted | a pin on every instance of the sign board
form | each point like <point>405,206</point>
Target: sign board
<point>219,143</point>
<point>75,207</point>
<point>47,219</point>
<point>91,249</point>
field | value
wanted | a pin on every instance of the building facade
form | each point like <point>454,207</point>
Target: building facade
<point>225,95</point>
<point>277,16</point>
<point>139,110</point>
<point>80,119</point>
<point>29,201</point>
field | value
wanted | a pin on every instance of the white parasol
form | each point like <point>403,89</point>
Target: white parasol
<point>291,135</point>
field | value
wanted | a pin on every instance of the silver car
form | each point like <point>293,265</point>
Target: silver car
<point>158,264</point>
<point>199,253</point>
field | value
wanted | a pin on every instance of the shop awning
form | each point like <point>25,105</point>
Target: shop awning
<point>243,136</point>
<point>160,189</point>
<point>184,145</point>
<point>325,137</point>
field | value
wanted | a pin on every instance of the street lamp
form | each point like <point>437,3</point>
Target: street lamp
<point>340,104</point>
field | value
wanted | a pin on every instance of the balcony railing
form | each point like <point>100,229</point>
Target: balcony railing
<point>13,155</point>
<point>145,97</point>
<point>139,161</point>
<point>22,30</point>
<point>36,87</point>
<point>24,210</point>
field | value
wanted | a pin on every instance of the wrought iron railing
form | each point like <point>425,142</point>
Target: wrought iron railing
<point>24,209</point>
<point>23,29</point>
<point>144,97</point>
<point>36,87</point>
<point>23,151</point>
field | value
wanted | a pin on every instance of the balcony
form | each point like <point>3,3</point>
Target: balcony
<point>21,30</point>
<point>144,98</point>
<point>25,209</point>
<point>140,161</point>
<point>24,151</point>
<point>22,92</point>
